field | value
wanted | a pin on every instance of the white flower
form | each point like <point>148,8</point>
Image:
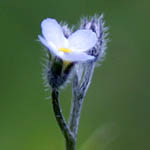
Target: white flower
<point>70,49</point>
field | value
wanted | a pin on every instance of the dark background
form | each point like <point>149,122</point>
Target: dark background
<point>116,111</point>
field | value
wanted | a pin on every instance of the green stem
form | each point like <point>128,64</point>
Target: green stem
<point>69,136</point>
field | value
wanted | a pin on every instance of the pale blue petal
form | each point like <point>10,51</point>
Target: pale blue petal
<point>82,40</point>
<point>75,57</point>
<point>49,45</point>
<point>52,32</point>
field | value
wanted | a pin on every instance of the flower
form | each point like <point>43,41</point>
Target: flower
<point>72,49</point>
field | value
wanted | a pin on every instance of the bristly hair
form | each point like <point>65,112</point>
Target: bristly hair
<point>66,30</point>
<point>46,63</point>
<point>97,25</point>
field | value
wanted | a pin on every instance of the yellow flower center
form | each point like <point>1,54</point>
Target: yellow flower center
<point>66,50</point>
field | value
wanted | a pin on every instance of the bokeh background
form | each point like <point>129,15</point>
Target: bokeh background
<point>116,111</point>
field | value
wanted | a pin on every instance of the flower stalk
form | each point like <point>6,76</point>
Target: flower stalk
<point>68,135</point>
<point>78,91</point>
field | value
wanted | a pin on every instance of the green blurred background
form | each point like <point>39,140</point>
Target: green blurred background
<point>116,111</point>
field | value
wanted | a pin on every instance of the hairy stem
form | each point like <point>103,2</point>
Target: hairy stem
<point>75,114</point>
<point>70,144</point>
<point>69,137</point>
<point>79,91</point>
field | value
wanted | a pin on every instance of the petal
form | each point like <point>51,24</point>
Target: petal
<point>82,40</point>
<point>52,32</point>
<point>43,41</point>
<point>73,57</point>
<point>49,45</point>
